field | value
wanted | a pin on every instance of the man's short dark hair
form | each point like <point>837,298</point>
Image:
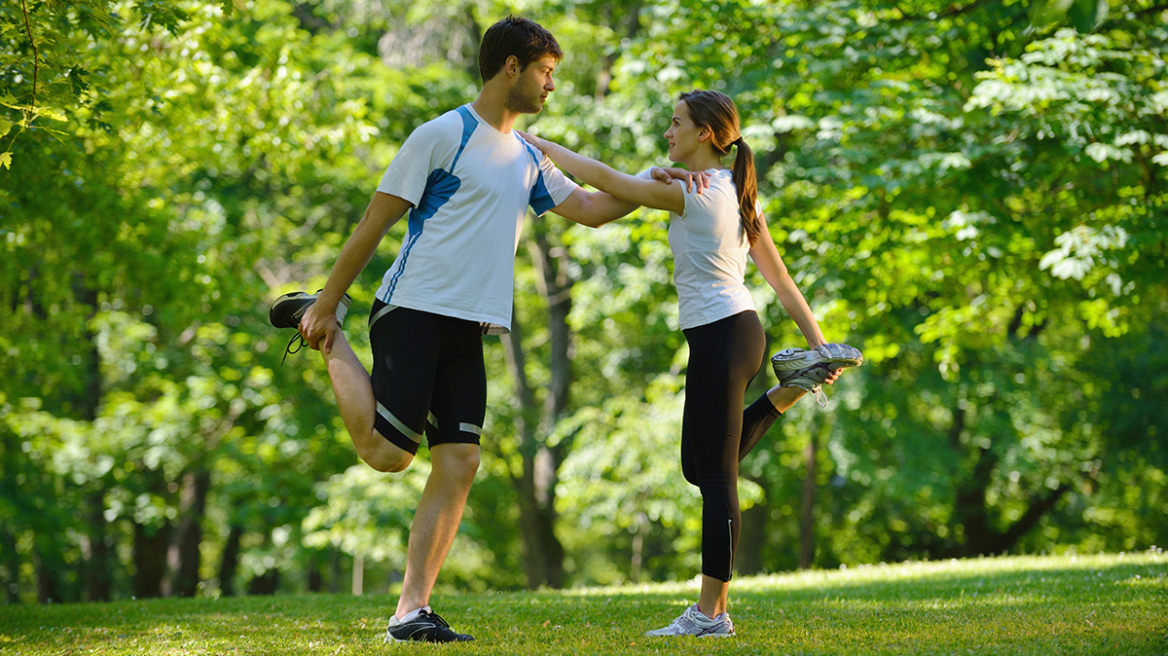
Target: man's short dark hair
<point>526,39</point>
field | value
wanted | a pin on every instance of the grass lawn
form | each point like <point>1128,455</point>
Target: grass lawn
<point>1113,604</point>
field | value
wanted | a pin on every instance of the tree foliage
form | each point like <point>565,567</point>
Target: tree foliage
<point>974,194</point>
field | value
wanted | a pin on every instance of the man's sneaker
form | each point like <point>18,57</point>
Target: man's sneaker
<point>427,626</point>
<point>287,310</point>
<point>808,369</point>
<point>694,622</point>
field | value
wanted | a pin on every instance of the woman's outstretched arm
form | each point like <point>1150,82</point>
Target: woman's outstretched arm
<point>770,264</point>
<point>633,189</point>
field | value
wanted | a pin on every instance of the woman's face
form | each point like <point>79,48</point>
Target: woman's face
<point>683,136</point>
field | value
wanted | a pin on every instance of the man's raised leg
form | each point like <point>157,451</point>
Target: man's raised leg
<point>354,392</point>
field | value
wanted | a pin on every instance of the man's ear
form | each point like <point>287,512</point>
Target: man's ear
<point>511,66</point>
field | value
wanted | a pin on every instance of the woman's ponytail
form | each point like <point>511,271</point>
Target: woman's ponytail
<point>715,110</point>
<point>747,185</point>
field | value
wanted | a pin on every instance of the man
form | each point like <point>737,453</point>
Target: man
<point>466,180</point>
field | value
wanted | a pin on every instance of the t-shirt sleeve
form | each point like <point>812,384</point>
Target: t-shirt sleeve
<point>551,187</point>
<point>407,174</point>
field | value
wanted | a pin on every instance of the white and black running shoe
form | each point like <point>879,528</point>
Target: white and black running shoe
<point>287,310</point>
<point>693,622</point>
<point>426,626</point>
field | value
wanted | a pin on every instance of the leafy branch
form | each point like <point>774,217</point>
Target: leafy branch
<point>29,114</point>
<point>35,51</point>
<point>955,10</point>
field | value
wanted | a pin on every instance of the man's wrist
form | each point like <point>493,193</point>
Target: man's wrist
<point>328,301</point>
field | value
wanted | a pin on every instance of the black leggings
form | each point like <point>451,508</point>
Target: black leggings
<point>716,434</point>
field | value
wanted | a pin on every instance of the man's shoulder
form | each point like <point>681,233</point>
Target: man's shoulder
<point>447,125</point>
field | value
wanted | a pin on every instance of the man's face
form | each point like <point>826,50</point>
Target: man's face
<point>532,87</point>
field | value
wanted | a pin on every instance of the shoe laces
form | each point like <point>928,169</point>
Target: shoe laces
<point>820,397</point>
<point>437,618</point>
<point>288,350</point>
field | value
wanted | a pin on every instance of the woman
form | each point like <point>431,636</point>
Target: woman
<point>711,231</point>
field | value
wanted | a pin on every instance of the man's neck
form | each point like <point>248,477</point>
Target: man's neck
<point>494,111</point>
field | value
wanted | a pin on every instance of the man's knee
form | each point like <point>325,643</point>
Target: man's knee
<point>386,457</point>
<point>456,460</point>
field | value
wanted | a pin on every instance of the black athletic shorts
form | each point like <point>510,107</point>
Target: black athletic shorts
<point>428,376</point>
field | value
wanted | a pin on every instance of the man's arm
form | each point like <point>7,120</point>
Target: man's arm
<point>320,321</point>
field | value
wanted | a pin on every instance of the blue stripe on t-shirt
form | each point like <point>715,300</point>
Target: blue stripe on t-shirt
<point>468,127</point>
<point>441,185</point>
<point>540,199</point>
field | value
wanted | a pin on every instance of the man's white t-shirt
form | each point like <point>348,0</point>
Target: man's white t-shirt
<point>470,186</point>
<point>709,254</point>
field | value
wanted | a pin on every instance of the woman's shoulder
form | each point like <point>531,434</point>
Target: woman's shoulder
<point>720,194</point>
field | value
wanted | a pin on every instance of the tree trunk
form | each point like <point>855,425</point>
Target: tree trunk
<point>97,566</point>
<point>264,584</point>
<point>615,17</point>
<point>230,561</point>
<point>752,539</point>
<point>970,511</point>
<point>637,564</point>
<point>150,547</point>
<point>184,555</point>
<point>542,551</point>
<point>335,570</point>
<point>358,575</point>
<point>97,575</point>
<point>807,507</point>
<point>536,483</point>
<point>315,580</point>
<point>970,508</point>
<point>48,583</point>
<point>11,580</point>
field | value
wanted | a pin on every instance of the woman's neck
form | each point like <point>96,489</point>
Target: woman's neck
<point>703,160</point>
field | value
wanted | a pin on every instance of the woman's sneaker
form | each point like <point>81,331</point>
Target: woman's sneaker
<point>694,622</point>
<point>426,626</point>
<point>807,370</point>
<point>789,362</point>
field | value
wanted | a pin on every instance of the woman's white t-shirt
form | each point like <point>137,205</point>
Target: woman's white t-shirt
<point>710,249</point>
<point>470,186</point>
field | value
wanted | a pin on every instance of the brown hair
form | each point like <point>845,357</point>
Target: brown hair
<point>715,111</point>
<point>524,38</point>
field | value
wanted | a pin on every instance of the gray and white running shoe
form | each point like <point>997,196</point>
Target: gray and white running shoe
<point>789,362</point>
<point>694,622</point>
<point>808,369</point>
<point>811,379</point>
